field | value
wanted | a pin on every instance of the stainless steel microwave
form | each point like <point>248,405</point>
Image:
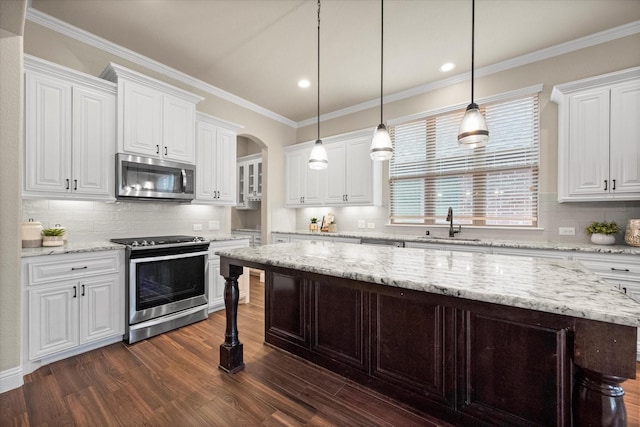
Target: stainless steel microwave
<point>145,178</point>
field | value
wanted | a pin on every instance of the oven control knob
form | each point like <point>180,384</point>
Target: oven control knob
<point>144,243</point>
<point>152,243</point>
<point>135,243</point>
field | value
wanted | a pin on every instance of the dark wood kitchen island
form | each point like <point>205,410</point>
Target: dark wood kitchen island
<point>474,339</point>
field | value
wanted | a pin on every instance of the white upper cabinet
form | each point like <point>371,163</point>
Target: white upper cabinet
<point>351,178</point>
<point>69,133</point>
<point>249,180</point>
<point>599,138</point>
<point>215,161</point>
<point>154,119</point>
<point>302,184</point>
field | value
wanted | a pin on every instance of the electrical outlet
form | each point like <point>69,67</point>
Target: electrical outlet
<point>371,225</point>
<point>197,227</point>
<point>567,231</point>
<point>214,225</point>
<point>361,223</point>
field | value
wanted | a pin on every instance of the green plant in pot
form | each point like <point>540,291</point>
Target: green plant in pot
<point>53,236</point>
<point>603,233</point>
<point>313,224</point>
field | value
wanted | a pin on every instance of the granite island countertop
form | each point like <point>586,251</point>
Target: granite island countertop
<point>495,243</point>
<point>553,286</point>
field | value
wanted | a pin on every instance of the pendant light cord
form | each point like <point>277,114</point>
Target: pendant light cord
<point>473,43</point>
<point>381,56</point>
<point>318,69</point>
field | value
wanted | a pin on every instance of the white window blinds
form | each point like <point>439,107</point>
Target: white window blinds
<point>496,185</point>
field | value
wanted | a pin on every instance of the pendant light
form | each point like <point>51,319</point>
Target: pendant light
<point>318,157</point>
<point>381,147</point>
<point>473,130</point>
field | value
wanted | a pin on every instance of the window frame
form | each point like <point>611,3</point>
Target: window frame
<point>479,176</point>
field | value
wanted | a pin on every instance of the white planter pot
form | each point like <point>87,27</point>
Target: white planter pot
<point>52,241</point>
<point>603,239</point>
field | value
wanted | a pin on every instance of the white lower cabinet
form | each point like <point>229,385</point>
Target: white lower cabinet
<point>217,282</point>
<point>80,306</point>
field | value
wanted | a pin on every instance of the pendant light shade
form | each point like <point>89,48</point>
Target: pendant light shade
<point>381,146</point>
<point>473,132</point>
<point>318,157</point>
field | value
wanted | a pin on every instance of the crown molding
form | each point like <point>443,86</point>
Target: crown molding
<point>540,55</point>
<point>66,29</point>
<point>90,39</point>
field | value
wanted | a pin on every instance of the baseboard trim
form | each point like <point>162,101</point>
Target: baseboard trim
<point>11,379</point>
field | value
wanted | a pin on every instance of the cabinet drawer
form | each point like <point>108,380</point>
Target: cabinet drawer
<point>620,265</point>
<point>65,267</point>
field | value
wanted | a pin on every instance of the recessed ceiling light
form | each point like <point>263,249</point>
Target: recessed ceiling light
<point>304,83</point>
<point>447,66</point>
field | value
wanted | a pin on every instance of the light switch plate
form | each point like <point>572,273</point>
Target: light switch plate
<point>567,231</point>
<point>361,223</point>
<point>197,227</point>
<point>214,225</point>
<point>371,225</point>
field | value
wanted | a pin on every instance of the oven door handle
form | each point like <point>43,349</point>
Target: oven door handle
<point>184,180</point>
<point>168,257</point>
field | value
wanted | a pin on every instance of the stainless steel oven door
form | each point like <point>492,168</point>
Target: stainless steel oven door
<point>164,284</point>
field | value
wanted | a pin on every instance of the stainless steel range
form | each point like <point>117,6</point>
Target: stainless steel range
<point>166,285</point>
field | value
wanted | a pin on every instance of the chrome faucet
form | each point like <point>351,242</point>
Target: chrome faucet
<point>452,232</point>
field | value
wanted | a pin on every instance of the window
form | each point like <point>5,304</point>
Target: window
<point>496,185</point>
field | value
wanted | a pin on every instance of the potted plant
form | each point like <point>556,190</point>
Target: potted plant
<point>603,233</point>
<point>53,236</point>
<point>313,226</point>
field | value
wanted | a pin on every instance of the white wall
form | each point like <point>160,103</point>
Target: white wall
<point>11,118</point>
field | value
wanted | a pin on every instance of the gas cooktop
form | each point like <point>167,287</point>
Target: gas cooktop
<point>158,240</point>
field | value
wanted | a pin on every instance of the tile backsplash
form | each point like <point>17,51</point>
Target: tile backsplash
<point>552,216</point>
<point>98,221</point>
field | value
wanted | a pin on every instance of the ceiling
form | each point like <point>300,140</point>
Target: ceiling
<point>259,49</point>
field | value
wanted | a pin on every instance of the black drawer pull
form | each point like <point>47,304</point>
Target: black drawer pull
<point>75,293</point>
<point>614,184</point>
<point>619,269</point>
<point>79,268</point>
<point>82,290</point>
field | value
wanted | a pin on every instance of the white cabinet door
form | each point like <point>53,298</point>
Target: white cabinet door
<point>625,138</point>
<point>254,179</point>
<point>589,142</point>
<point>47,134</point>
<point>142,119</point>
<point>216,285</point>
<point>205,159</point>
<point>178,138</point>
<point>335,184</point>
<point>53,319</point>
<point>215,164</point>
<point>358,172</point>
<point>101,309</point>
<point>225,164</point>
<point>303,185</point>
<point>94,143</point>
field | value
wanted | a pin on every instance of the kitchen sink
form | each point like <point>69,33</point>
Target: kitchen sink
<point>453,239</point>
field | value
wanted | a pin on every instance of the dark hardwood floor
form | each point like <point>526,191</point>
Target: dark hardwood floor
<point>174,380</point>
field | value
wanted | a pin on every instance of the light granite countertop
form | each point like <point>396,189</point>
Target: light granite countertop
<point>495,243</point>
<point>553,286</point>
<point>85,246</point>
